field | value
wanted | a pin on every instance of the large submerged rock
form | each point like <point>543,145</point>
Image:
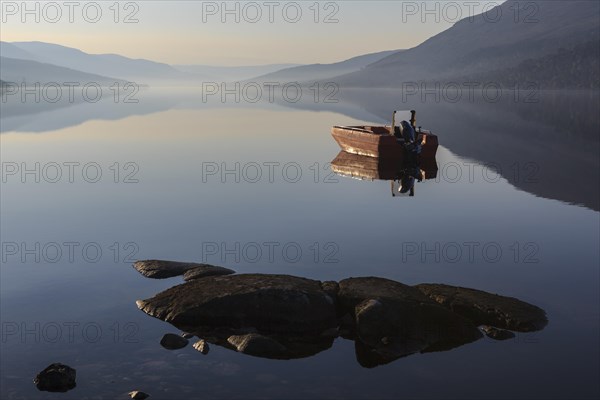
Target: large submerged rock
<point>280,346</point>
<point>395,320</point>
<point>255,344</point>
<point>496,333</point>
<point>160,269</point>
<point>268,303</point>
<point>285,317</point>
<point>205,271</point>
<point>485,308</point>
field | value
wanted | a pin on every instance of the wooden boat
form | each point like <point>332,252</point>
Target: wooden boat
<point>381,141</point>
<point>381,168</point>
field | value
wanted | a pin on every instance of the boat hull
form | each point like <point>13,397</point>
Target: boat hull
<point>377,142</point>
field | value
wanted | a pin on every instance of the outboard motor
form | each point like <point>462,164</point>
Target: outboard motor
<point>408,132</point>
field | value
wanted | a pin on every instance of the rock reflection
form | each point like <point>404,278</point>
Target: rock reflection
<point>288,317</point>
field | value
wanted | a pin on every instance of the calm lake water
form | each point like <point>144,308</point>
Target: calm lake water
<point>514,210</point>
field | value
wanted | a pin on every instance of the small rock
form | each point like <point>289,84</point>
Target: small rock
<point>56,378</point>
<point>496,333</point>
<point>202,346</point>
<point>137,395</point>
<point>170,341</point>
<point>160,269</point>
<point>204,271</point>
<point>257,345</point>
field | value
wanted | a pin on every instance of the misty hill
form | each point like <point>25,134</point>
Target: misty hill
<point>18,71</point>
<point>137,70</point>
<point>478,45</point>
<point>324,71</point>
<point>233,73</point>
<point>576,68</point>
<point>11,51</point>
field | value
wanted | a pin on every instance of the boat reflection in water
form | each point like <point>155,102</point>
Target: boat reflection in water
<point>402,172</point>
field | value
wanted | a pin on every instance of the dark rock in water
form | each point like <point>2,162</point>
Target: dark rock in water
<point>371,357</point>
<point>369,319</point>
<point>497,334</point>
<point>485,308</point>
<point>258,345</point>
<point>331,288</point>
<point>137,395</point>
<point>204,271</point>
<point>347,327</point>
<point>170,341</point>
<point>333,333</point>
<point>56,378</point>
<point>394,318</point>
<point>279,347</point>
<point>202,346</point>
<point>287,317</point>
<point>159,269</point>
<point>269,303</point>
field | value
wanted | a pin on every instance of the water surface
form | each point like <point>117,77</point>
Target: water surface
<point>514,210</point>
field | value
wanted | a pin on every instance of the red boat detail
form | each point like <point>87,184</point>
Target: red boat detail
<point>376,141</point>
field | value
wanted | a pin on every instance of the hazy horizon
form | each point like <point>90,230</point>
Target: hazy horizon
<point>189,29</point>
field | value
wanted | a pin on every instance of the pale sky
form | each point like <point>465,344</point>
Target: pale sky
<point>193,32</point>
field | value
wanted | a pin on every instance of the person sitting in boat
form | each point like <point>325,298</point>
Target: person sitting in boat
<point>410,137</point>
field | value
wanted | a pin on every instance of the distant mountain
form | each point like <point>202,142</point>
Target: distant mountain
<point>324,71</point>
<point>137,70</point>
<point>18,71</point>
<point>230,74</point>
<point>11,51</point>
<point>149,72</point>
<point>481,44</point>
